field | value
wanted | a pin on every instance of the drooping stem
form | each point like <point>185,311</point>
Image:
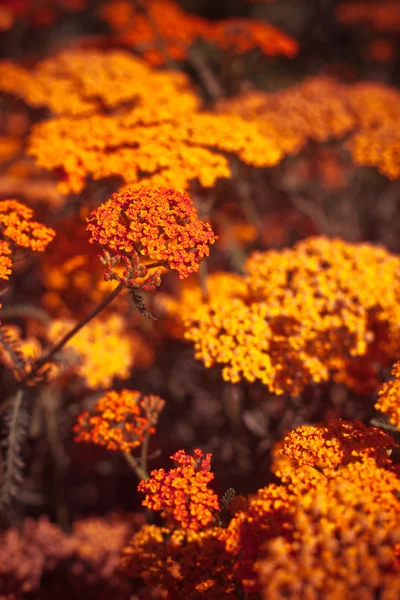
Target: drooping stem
<point>206,75</point>
<point>134,464</point>
<point>70,334</point>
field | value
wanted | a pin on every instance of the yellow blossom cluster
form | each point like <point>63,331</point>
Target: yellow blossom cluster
<point>339,549</point>
<point>84,82</point>
<point>389,397</point>
<point>309,313</point>
<point>162,151</point>
<point>99,352</point>
<point>165,20</point>
<point>338,443</point>
<point>321,109</point>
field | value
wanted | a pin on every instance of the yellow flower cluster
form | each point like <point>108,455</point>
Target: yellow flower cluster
<point>339,549</point>
<point>338,443</point>
<point>84,82</point>
<point>389,397</point>
<point>321,109</point>
<point>100,352</point>
<point>162,150</point>
<point>309,313</point>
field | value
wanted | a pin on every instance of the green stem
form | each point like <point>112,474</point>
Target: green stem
<point>134,464</point>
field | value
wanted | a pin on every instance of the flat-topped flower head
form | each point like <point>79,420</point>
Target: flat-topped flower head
<point>336,444</point>
<point>183,492</point>
<point>121,420</point>
<point>159,225</point>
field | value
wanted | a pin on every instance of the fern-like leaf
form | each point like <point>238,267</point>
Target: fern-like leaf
<point>15,430</point>
<point>11,346</point>
<point>138,300</point>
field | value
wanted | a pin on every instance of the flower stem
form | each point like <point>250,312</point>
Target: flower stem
<point>145,451</point>
<point>134,464</point>
<point>47,358</point>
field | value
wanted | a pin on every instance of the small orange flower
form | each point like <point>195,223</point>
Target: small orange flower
<point>183,492</point>
<point>160,225</point>
<point>121,420</point>
<point>5,260</point>
<point>389,397</point>
<point>16,224</point>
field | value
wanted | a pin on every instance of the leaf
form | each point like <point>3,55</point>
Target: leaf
<point>138,300</point>
<point>16,427</point>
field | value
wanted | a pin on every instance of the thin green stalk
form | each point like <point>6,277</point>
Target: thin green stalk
<point>134,464</point>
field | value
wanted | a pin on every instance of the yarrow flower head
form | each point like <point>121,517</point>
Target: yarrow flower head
<point>159,225</point>
<point>121,420</point>
<point>183,492</point>
<point>336,444</point>
<point>17,227</point>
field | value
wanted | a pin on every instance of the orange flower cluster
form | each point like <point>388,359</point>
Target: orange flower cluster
<point>382,16</point>
<point>183,493</point>
<point>164,20</point>
<point>159,225</point>
<point>269,519</point>
<point>34,13</point>
<point>5,260</point>
<point>121,420</point>
<point>312,110</point>
<point>99,352</point>
<point>389,397</point>
<point>338,443</point>
<point>17,227</point>
<point>313,520</point>
<point>308,314</point>
<point>159,150</point>
<point>84,82</point>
